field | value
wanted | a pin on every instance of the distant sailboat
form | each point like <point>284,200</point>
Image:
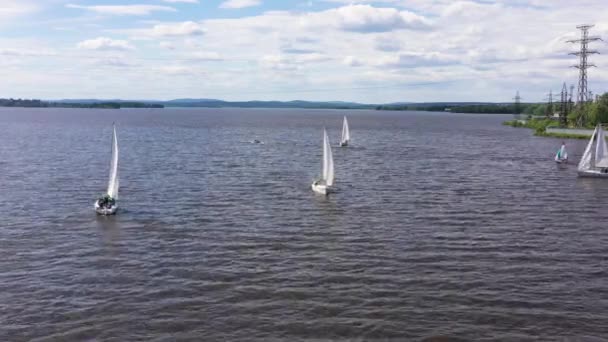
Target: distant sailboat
<point>595,165</point>
<point>323,185</point>
<point>106,205</point>
<point>345,133</point>
<point>561,156</point>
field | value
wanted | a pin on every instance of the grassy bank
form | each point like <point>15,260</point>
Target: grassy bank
<point>538,125</point>
<point>540,128</point>
<point>561,135</point>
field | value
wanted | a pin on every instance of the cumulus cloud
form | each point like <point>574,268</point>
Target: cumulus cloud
<point>366,18</point>
<point>418,59</point>
<point>234,4</point>
<point>124,9</point>
<point>351,61</point>
<point>388,45</point>
<point>184,1</point>
<point>295,49</point>
<point>13,8</point>
<point>187,28</point>
<point>104,43</point>
<point>116,62</point>
<point>167,45</point>
<point>206,56</point>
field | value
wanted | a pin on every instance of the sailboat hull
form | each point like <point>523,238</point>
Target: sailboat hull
<point>592,174</point>
<point>344,144</point>
<point>105,211</point>
<point>320,189</point>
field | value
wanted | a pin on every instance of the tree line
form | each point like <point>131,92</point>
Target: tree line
<point>33,103</point>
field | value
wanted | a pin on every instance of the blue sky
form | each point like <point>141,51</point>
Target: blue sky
<point>373,51</point>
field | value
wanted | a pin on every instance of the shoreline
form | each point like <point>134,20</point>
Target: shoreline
<point>542,128</point>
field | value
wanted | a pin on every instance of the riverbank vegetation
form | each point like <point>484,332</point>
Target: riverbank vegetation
<point>582,116</point>
<point>59,104</point>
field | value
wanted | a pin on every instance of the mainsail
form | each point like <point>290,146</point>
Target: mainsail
<point>328,161</point>
<point>561,153</point>
<point>601,150</point>
<point>585,163</point>
<point>113,181</point>
<point>345,132</point>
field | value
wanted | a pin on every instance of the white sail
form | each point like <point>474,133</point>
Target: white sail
<point>601,150</point>
<point>561,153</point>
<point>345,132</point>
<point>328,161</point>
<point>113,181</point>
<point>585,162</point>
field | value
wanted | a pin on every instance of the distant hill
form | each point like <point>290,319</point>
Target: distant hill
<point>457,107</point>
<point>211,103</point>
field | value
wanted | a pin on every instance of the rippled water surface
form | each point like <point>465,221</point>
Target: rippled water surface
<point>442,225</point>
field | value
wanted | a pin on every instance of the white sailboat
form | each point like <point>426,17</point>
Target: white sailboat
<point>595,164</point>
<point>323,185</point>
<point>345,133</point>
<point>106,205</point>
<point>561,157</point>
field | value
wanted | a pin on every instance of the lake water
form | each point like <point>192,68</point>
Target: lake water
<point>442,225</point>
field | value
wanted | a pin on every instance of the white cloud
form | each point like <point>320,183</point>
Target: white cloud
<point>13,8</point>
<point>366,19</point>
<point>206,56</point>
<point>125,9</point>
<point>187,28</point>
<point>104,43</point>
<point>115,62</point>
<point>167,45</point>
<point>352,61</point>
<point>233,4</point>
<point>418,59</point>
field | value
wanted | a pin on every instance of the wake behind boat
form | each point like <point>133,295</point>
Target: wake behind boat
<point>323,185</point>
<point>106,205</point>
<point>595,164</point>
<point>345,133</point>
<point>561,157</point>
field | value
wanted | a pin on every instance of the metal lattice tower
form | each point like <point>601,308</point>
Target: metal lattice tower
<point>563,111</point>
<point>549,111</point>
<point>570,102</point>
<point>583,65</point>
<point>517,104</point>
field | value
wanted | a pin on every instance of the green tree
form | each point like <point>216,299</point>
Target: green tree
<point>540,110</point>
<point>599,110</point>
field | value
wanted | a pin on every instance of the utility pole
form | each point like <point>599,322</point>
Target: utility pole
<point>570,102</point>
<point>563,111</point>
<point>583,65</point>
<point>549,111</point>
<point>517,104</point>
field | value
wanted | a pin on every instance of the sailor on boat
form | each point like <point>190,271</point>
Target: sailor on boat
<point>106,202</point>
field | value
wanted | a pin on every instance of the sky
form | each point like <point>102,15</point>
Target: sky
<point>369,51</point>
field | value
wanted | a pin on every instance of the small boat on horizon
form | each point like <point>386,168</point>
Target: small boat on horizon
<point>595,164</point>
<point>345,133</point>
<point>323,185</point>
<point>106,205</point>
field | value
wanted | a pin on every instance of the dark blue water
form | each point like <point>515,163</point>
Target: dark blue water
<point>442,225</point>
